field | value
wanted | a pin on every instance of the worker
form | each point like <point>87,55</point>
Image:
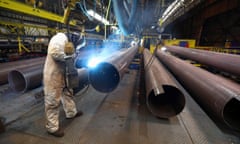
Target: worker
<point>60,50</point>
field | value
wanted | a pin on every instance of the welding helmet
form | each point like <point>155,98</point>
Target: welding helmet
<point>75,38</point>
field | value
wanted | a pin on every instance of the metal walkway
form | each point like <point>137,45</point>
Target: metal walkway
<point>114,118</point>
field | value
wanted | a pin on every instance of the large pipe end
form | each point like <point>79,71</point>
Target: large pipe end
<point>167,104</point>
<point>105,77</point>
<point>17,81</point>
<point>231,114</point>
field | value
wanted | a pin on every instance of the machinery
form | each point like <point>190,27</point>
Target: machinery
<point>133,71</point>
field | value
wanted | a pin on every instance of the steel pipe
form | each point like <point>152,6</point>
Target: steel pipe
<point>83,80</point>
<point>21,62</point>
<point>218,96</point>
<point>164,99</point>
<point>226,62</point>
<point>108,73</point>
<point>5,68</point>
<point>23,79</point>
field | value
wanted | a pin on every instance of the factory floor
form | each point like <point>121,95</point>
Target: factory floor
<point>119,117</point>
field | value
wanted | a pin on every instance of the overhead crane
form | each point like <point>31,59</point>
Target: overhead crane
<point>36,12</point>
<point>28,27</point>
<point>33,11</point>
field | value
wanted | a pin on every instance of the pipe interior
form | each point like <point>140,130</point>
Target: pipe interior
<point>169,103</point>
<point>231,113</point>
<point>16,81</point>
<point>104,78</point>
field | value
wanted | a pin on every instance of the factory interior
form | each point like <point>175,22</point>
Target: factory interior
<point>145,71</point>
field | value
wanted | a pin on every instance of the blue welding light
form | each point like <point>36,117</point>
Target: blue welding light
<point>93,62</point>
<point>163,49</point>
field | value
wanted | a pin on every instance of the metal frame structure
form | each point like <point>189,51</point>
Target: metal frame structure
<point>19,29</point>
<point>23,8</point>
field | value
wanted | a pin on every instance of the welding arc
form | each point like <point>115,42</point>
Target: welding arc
<point>164,99</point>
<point>218,96</point>
<point>106,76</point>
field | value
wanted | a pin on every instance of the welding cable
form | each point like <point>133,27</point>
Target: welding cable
<point>64,4</point>
<point>84,6</point>
<point>109,4</point>
<point>84,90</point>
<point>90,30</point>
<point>94,5</point>
<point>84,10</point>
<point>106,17</point>
<point>126,23</point>
<point>82,45</point>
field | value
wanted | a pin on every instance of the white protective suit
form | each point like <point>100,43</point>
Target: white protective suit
<point>54,84</point>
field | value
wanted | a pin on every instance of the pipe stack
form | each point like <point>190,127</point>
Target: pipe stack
<point>219,97</point>
<point>164,99</point>
<point>23,79</point>
<point>5,68</point>
<point>226,62</point>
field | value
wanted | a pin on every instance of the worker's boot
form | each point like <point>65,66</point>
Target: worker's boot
<point>58,133</point>
<point>79,113</point>
<point>2,127</point>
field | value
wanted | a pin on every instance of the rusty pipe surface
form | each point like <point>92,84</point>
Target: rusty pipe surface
<point>226,62</point>
<point>5,68</point>
<point>108,73</point>
<point>164,99</point>
<point>23,79</point>
<point>218,96</point>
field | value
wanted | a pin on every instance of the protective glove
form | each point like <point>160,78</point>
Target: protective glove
<point>69,48</point>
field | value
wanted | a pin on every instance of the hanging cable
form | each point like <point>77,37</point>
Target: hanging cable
<point>126,23</point>
<point>109,4</point>
<point>106,17</point>
<point>84,10</point>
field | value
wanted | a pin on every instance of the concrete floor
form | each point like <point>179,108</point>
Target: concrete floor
<point>114,118</point>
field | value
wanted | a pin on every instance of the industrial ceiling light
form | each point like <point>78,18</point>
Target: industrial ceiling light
<point>178,7</point>
<point>152,27</point>
<point>171,9</point>
<point>97,17</point>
